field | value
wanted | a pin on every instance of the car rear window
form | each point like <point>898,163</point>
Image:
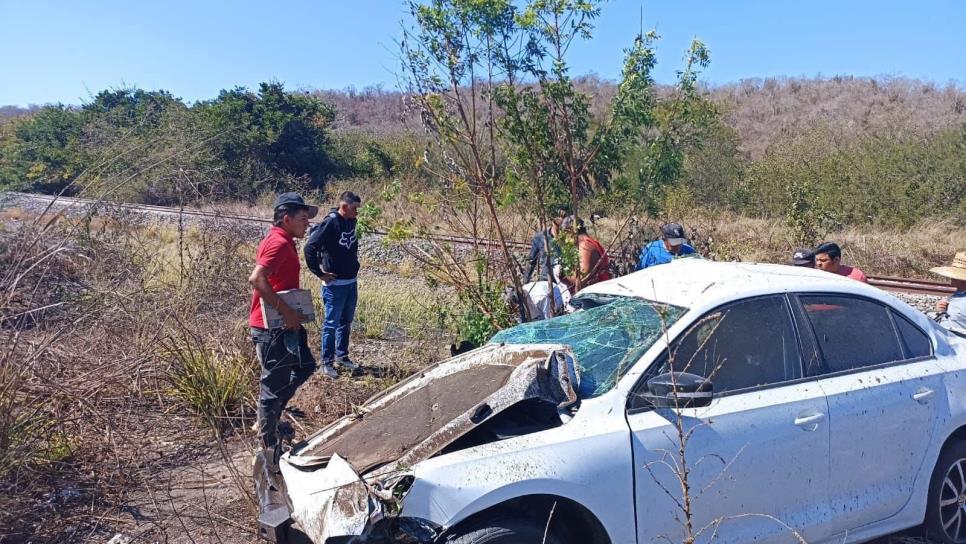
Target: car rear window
<point>606,339</point>
<point>916,343</point>
<point>852,332</point>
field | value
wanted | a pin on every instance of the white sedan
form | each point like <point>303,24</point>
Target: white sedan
<point>689,402</point>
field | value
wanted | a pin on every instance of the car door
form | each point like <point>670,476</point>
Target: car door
<point>884,388</point>
<point>756,458</point>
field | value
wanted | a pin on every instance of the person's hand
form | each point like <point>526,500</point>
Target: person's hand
<point>942,305</point>
<point>290,317</point>
<point>327,277</point>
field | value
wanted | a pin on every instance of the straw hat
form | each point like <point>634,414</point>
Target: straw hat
<point>958,269</point>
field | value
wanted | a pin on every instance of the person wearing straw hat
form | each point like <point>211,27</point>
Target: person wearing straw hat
<point>952,309</point>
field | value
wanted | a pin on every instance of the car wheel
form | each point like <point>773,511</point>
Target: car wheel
<point>946,511</point>
<point>506,530</point>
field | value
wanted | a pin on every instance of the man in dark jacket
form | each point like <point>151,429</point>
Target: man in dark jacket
<point>332,254</point>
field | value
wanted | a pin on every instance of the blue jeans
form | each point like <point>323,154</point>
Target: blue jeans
<point>340,308</point>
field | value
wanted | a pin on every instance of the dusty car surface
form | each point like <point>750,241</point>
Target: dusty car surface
<point>813,408</point>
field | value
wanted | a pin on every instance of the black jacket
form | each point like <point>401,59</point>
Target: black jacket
<point>332,247</point>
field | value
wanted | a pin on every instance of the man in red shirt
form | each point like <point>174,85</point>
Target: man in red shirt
<point>828,257</point>
<point>284,352</point>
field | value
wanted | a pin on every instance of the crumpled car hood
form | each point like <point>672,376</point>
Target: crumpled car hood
<point>344,478</point>
<point>424,413</point>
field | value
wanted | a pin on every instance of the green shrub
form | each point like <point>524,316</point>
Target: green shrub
<point>887,179</point>
<point>216,384</point>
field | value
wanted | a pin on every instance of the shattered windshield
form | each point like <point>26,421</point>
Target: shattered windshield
<point>607,338</point>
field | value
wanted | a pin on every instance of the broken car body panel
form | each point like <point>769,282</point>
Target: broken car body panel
<point>587,460</point>
<point>410,423</point>
<point>328,501</point>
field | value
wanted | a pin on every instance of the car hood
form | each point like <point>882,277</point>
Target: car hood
<point>421,415</point>
<point>357,471</point>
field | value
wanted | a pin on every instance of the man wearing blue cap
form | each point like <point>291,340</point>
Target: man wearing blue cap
<point>673,243</point>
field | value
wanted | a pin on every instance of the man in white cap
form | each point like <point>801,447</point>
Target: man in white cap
<point>952,309</point>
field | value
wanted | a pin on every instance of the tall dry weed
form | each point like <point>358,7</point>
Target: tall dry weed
<point>215,382</point>
<point>92,407</point>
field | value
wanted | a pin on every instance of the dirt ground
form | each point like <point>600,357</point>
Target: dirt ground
<point>209,499</point>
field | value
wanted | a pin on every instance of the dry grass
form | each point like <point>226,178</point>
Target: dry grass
<point>118,333</point>
<point>93,407</point>
<point>877,250</point>
<point>98,413</point>
<point>393,307</point>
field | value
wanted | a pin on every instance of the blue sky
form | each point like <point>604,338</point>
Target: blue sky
<point>63,51</point>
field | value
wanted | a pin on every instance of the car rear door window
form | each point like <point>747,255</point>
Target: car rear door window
<point>852,332</point>
<point>916,343</point>
<point>745,344</point>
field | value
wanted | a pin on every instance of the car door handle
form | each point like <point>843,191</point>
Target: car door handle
<point>922,395</point>
<point>809,421</point>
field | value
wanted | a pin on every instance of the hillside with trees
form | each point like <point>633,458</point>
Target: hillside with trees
<point>861,150</point>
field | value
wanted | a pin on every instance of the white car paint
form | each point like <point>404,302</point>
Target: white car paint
<point>587,460</point>
<point>842,458</point>
<point>753,460</point>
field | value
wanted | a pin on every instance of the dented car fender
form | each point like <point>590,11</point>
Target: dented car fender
<point>588,461</point>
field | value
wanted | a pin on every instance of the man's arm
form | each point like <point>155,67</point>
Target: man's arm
<point>644,260</point>
<point>324,237</point>
<point>588,264</point>
<point>259,281</point>
<point>311,251</point>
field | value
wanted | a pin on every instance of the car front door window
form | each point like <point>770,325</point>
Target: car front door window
<point>747,344</point>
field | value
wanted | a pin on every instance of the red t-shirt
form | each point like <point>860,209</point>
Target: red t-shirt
<point>603,263</point>
<point>277,253</point>
<point>852,272</point>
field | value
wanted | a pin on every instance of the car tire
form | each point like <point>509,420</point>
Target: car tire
<point>506,529</point>
<point>946,510</point>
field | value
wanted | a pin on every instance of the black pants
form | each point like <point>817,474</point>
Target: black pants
<point>286,363</point>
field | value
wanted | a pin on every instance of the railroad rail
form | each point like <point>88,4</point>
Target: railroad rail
<point>911,286</point>
<point>888,283</point>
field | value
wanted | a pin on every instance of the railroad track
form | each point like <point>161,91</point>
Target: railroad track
<point>61,203</point>
<point>911,286</point>
<point>888,283</point>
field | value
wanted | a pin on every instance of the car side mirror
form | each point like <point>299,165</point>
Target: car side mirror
<point>679,390</point>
